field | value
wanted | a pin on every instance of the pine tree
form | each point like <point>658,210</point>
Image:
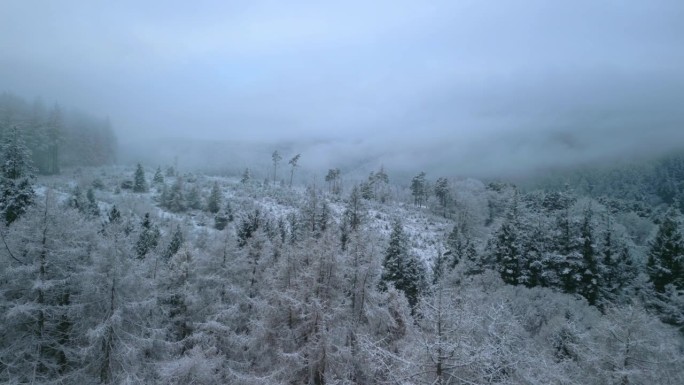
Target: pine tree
<point>16,172</point>
<point>293,165</point>
<point>214,201</point>
<point>139,183</point>
<point>665,264</point>
<point>401,268</point>
<point>442,193</point>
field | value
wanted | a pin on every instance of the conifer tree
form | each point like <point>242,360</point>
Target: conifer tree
<point>214,201</point>
<point>665,263</point>
<point>175,244</point>
<point>16,172</point>
<point>590,277</point>
<point>194,200</point>
<point>293,165</point>
<point>158,176</point>
<point>246,176</point>
<point>442,193</point>
<point>139,183</point>
<point>401,268</point>
<point>418,187</point>
<point>148,238</point>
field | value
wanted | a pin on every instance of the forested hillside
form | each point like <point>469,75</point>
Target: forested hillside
<point>58,138</point>
<point>120,276</point>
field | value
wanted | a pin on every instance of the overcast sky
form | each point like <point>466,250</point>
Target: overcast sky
<point>521,82</point>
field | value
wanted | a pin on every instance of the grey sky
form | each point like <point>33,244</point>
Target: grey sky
<point>528,80</point>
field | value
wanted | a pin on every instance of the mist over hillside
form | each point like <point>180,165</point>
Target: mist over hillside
<point>391,192</point>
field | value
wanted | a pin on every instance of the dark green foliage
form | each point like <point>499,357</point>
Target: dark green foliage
<point>16,172</point>
<point>58,139</point>
<point>589,286</point>
<point>139,181</point>
<point>333,180</point>
<point>665,264</point>
<point>114,215</point>
<point>442,192</point>
<point>223,217</point>
<point>173,199</point>
<point>214,201</point>
<point>419,189</point>
<point>401,268</point>
<point>248,226</point>
<point>148,238</point>
<point>355,211</point>
<point>175,244</point>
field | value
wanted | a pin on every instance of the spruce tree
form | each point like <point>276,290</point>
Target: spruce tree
<point>401,268</point>
<point>139,183</point>
<point>175,244</point>
<point>590,277</point>
<point>16,172</point>
<point>158,176</point>
<point>214,201</point>
<point>148,238</point>
<point>665,264</point>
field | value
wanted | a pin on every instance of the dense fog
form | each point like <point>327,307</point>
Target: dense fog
<point>387,192</point>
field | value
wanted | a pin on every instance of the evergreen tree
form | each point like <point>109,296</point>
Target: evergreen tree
<point>54,133</point>
<point>139,182</point>
<point>293,165</point>
<point>223,217</point>
<point>246,176</point>
<point>418,188</point>
<point>214,201</point>
<point>354,212</point>
<point>92,208</point>
<point>175,199</point>
<point>401,268</point>
<point>442,193</point>
<point>114,214</point>
<point>194,200</point>
<point>148,238</point>
<point>589,286</point>
<point>16,172</point>
<point>175,244</point>
<point>158,176</point>
<point>665,264</point>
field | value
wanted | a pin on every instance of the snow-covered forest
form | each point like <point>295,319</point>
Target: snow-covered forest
<point>391,192</point>
<point>120,275</point>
